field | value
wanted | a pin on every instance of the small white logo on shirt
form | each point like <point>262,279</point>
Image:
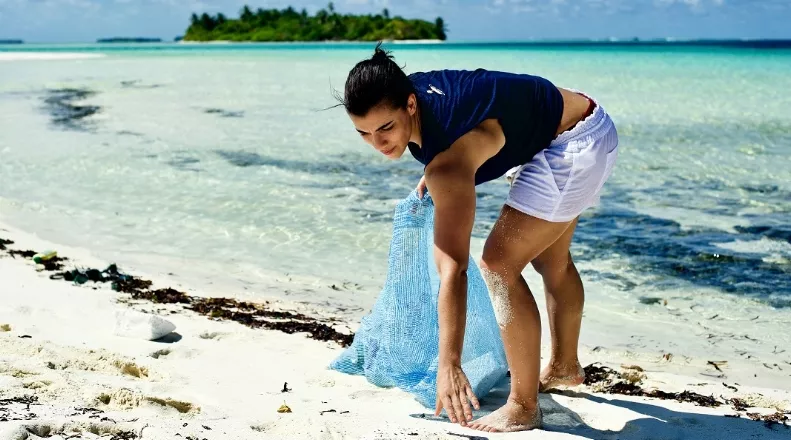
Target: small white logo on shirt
<point>433,89</point>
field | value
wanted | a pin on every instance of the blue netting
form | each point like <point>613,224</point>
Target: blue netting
<point>397,343</point>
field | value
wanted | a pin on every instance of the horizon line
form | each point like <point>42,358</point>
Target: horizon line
<point>614,40</point>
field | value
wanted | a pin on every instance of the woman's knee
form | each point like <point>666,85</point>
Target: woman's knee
<point>553,267</point>
<point>494,264</point>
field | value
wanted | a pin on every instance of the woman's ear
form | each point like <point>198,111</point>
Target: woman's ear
<point>411,104</point>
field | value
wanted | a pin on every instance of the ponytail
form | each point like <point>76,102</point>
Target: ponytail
<point>375,81</point>
<point>381,56</point>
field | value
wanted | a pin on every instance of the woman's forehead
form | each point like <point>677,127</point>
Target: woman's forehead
<point>377,118</point>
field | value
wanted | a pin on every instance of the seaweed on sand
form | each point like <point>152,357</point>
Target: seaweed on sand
<point>254,315</point>
<point>606,380</point>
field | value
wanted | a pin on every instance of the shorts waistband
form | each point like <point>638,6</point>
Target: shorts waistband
<point>596,124</point>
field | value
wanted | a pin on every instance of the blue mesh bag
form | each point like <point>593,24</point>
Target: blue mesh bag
<point>397,343</point>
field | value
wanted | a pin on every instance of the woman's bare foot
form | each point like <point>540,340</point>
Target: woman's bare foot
<point>509,418</point>
<point>555,376</point>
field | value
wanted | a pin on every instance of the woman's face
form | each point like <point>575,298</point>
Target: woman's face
<point>386,128</point>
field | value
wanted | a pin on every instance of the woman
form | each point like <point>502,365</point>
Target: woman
<point>468,127</point>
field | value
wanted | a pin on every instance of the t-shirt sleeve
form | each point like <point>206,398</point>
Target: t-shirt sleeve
<point>467,101</point>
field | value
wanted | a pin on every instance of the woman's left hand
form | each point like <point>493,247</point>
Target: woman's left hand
<point>454,393</point>
<point>421,187</point>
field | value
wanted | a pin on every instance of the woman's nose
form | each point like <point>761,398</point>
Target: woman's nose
<point>380,142</point>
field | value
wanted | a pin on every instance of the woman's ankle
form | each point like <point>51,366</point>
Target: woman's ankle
<point>527,402</point>
<point>566,364</point>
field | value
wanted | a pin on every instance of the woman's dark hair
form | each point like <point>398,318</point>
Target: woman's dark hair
<point>377,80</point>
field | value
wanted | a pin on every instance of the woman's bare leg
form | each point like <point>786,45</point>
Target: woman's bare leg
<point>565,298</point>
<point>515,241</point>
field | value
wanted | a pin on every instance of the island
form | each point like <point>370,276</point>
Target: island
<point>11,41</point>
<point>129,40</point>
<point>325,25</point>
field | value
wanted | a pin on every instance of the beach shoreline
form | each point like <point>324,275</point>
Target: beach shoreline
<point>217,379</point>
<point>46,56</point>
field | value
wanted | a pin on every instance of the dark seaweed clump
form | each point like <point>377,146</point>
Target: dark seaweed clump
<point>254,315</point>
<point>225,113</point>
<point>54,263</point>
<point>610,381</point>
<point>4,243</point>
<point>7,415</point>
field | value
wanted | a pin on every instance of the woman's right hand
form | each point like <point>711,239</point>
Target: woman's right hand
<point>421,187</point>
<point>454,394</point>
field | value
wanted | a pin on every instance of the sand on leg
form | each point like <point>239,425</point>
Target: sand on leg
<point>516,240</point>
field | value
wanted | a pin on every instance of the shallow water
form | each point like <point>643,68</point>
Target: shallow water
<point>219,167</point>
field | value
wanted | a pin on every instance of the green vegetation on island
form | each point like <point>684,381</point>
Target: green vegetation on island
<point>325,25</point>
<point>11,41</point>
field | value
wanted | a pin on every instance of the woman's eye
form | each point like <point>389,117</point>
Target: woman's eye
<point>388,128</point>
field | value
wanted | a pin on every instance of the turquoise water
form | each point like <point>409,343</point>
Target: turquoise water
<point>218,164</point>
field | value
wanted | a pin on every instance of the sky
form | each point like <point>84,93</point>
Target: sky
<point>64,21</point>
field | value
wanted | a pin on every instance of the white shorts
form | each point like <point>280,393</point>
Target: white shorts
<point>566,178</point>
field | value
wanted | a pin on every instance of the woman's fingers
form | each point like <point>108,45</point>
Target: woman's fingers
<point>421,187</point>
<point>471,396</point>
<point>456,397</point>
<point>465,403</point>
<point>457,407</point>
<point>448,403</point>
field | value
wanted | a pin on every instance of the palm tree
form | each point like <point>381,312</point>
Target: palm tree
<point>207,22</point>
<point>439,28</point>
<point>246,14</point>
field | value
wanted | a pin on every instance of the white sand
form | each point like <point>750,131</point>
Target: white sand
<point>229,378</point>
<point>33,56</point>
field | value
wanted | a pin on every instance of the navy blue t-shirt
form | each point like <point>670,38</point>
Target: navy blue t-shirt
<point>452,102</point>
